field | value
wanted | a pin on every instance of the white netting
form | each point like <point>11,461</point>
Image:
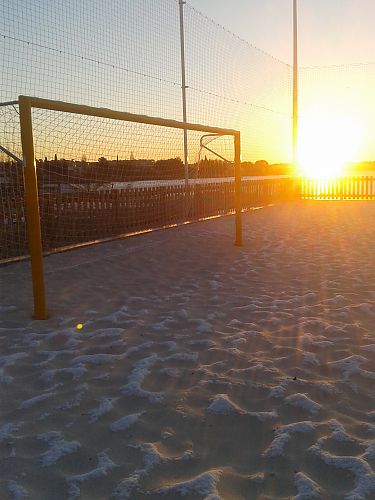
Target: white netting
<point>237,85</point>
<point>120,55</point>
<point>126,56</point>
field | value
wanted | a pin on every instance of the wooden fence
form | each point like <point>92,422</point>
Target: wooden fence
<point>344,188</point>
<point>78,217</point>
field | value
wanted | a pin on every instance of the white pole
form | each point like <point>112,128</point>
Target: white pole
<point>295,82</point>
<point>183,88</point>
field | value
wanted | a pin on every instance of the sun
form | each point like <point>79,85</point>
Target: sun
<point>326,143</point>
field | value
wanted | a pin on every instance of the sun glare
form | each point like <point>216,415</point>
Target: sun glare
<point>326,144</point>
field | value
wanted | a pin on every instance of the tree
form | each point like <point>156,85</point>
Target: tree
<point>261,164</point>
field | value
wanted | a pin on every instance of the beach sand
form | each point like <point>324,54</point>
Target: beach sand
<point>202,370</point>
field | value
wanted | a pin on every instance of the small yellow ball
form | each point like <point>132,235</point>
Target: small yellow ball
<point>79,326</point>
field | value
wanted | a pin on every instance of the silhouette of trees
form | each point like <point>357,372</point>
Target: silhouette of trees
<point>61,175</point>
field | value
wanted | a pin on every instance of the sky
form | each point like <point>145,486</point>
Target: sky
<point>330,31</point>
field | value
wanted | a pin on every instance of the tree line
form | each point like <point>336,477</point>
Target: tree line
<point>106,171</point>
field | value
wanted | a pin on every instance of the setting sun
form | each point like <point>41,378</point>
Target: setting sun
<point>326,144</point>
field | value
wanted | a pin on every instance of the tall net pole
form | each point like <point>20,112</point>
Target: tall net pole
<point>295,82</point>
<point>183,88</point>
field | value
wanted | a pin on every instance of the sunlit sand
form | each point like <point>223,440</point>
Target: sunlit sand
<point>175,364</point>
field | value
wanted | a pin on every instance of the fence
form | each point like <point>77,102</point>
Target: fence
<point>69,219</point>
<point>343,188</point>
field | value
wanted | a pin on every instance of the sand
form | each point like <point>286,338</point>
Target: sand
<point>202,370</point>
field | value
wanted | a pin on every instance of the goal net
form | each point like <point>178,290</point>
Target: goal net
<point>101,178</point>
<point>92,174</point>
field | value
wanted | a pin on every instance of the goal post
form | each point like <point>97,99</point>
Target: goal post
<point>32,209</point>
<point>32,190</point>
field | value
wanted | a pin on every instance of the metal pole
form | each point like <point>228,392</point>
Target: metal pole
<point>32,209</point>
<point>238,188</point>
<point>295,82</point>
<point>181,4</point>
<point>11,155</point>
<point>8,103</point>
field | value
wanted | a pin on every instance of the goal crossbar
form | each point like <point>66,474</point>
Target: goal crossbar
<point>36,102</point>
<point>26,104</point>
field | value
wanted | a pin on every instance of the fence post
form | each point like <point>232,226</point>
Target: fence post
<point>32,209</point>
<point>238,188</point>
<point>340,181</point>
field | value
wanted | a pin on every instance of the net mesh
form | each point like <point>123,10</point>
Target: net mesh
<point>238,86</point>
<point>13,240</point>
<point>126,56</point>
<point>120,55</point>
<point>100,178</point>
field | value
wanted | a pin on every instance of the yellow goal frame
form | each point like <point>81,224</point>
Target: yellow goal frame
<point>26,104</point>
